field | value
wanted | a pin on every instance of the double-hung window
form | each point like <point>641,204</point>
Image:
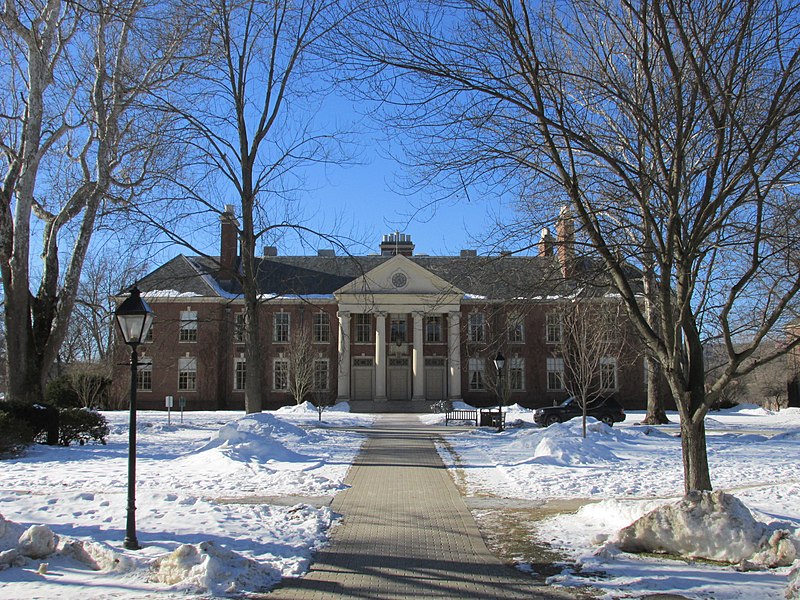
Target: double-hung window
<point>476,329</point>
<point>322,328</point>
<point>476,373</point>
<point>555,374</point>
<point>188,331</point>
<point>280,374</point>
<point>280,327</point>
<point>187,374</point>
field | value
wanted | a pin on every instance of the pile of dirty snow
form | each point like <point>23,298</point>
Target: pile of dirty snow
<point>711,525</point>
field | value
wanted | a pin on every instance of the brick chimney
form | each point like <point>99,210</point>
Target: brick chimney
<point>565,241</point>
<point>397,243</point>
<point>546,243</point>
<point>229,245</point>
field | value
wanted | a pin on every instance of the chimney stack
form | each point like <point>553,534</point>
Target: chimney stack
<point>546,243</point>
<point>397,243</point>
<point>565,241</point>
<point>229,246</point>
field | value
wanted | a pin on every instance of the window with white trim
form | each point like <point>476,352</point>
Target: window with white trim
<point>144,374</point>
<point>555,326</point>
<point>320,374</point>
<point>516,329</point>
<point>555,374</point>
<point>187,374</point>
<point>280,327</point>
<point>476,328</point>
<point>516,373</point>
<point>363,328</point>
<point>239,374</point>
<point>322,328</point>
<point>238,328</point>
<point>608,373</point>
<point>476,373</point>
<point>280,374</point>
<point>399,329</point>
<point>433,329</point>
<point>188,332</point>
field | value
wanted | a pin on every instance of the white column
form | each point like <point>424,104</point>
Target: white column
<point>380,356</point>
<point>454,354</point>
<point>344,356</point>
<point>417,360</point>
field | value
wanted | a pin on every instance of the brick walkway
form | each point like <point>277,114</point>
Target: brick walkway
<point>406,532</point>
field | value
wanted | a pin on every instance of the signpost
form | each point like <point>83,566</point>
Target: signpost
<point>168,400</point>
<point>182,404</point>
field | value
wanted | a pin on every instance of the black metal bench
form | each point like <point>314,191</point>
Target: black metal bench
<point>461,415</point>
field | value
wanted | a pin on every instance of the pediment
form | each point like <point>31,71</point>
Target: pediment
<point>399,276</point>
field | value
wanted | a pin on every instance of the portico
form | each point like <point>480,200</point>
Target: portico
<point>399,297</point>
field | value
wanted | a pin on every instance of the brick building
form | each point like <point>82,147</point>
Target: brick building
<point>385,328</point>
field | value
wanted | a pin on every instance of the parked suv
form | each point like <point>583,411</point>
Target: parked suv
<point>607,410</point>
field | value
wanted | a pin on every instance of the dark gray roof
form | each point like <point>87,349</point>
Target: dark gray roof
<point>493,277</point>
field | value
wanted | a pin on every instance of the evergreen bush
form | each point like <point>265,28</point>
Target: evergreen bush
<point>15,435</point>
<point>81,425</point>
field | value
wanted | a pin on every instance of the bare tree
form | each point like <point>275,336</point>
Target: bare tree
<point>75,136</point>
<point>676,120</point>
<point>301,363</point>
<point>592,342</point>
<point>248,118</point>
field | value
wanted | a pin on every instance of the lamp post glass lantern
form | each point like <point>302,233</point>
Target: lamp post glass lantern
<point>134,317</point>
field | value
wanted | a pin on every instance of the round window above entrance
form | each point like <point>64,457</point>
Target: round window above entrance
<point>399,280</point>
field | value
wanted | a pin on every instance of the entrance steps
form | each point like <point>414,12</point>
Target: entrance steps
<point>391,406</point>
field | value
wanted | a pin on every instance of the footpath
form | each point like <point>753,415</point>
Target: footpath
<point>406,531</point>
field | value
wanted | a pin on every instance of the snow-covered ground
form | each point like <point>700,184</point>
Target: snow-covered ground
<point>625,472</point>
<point>219,505</point>
<point>189,477</point>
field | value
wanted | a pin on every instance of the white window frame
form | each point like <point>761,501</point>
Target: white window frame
<point>477,374</point>
<point>321,365</point>
<point>239,328</point>
<point>188,330</point>
<point>144,374</point>
<point>239,374</point>
<point>516,368</point>
<point>187,374</point>
<point>280,374</point>
<point>398,324</point>
<point>434,326</point>
<point>363,326</point>
<point>281,326</point>
<point>555,374</point>
<point>476,327</point>
<point>516,329</point>
<point>322,328</point>
<point>554,328</point>
<point>608,366</point>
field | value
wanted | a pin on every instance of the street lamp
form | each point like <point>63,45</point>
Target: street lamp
<point>134,317</point>
<point>499,362</point>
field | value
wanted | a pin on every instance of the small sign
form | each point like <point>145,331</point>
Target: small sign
<point>182,402</point>
<point>169,401</point>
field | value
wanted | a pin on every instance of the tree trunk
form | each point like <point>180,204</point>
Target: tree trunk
<point>696,475</point>
<point>656,415</point>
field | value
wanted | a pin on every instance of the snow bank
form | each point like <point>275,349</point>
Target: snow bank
<point>712,525</point>
<point>206,567</point>
<point>793,589</point>
<point>563,444</point>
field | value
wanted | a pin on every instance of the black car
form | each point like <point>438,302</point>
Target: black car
<point>607,410</point>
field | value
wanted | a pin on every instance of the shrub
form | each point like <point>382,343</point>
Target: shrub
<point>61,393</point>
<point>41,419</point>
<point>81,425</point>
<point>15,435</point>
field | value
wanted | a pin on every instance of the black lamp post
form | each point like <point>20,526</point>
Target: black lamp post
<point>134,317</point>
<point>499,362</point>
